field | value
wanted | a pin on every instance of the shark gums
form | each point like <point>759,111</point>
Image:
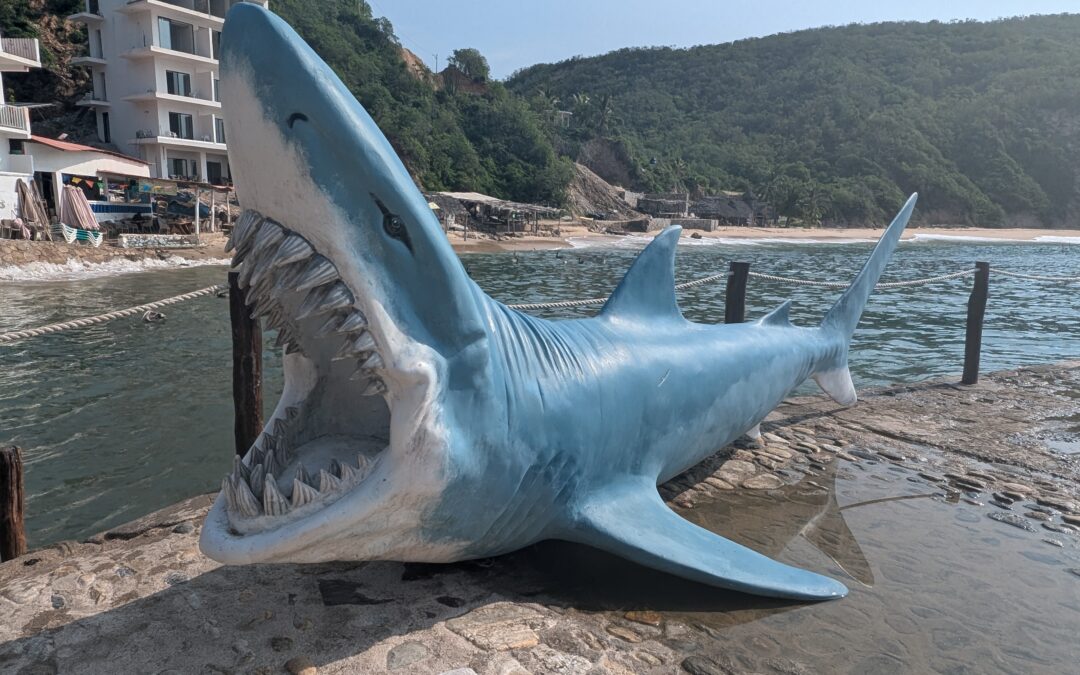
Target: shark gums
<point>423,421</point>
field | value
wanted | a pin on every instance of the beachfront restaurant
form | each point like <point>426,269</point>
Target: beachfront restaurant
<point>109,179</point>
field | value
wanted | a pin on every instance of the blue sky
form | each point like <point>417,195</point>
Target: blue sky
<point>513,34</point>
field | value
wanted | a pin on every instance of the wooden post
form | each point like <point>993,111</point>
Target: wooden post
<point>735,297</point>
<point>12,529</point>
<point>975,312</point>
<point>247,369</point>
<point>197,204</point>
<point>213,215</point>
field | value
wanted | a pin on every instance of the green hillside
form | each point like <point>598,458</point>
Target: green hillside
<point>983,119</point>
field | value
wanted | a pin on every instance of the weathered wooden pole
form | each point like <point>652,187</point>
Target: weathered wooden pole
<point>12,529</point>
<point>247,369</point>
<point>735,297</point>
<point>976,310</point>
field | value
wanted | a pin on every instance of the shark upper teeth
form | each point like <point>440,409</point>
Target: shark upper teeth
<point>331,326</point>
<point>293,249</point>
<point>373,362</point>
<point>303,476</point>
<point>374,387</point>
<point>318,272</point>
<point>325,299</point>
<point>241,230</point>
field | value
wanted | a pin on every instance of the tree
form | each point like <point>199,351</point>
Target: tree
<point>472,63</point>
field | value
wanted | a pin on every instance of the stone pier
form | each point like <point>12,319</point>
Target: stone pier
<point>142,598</point>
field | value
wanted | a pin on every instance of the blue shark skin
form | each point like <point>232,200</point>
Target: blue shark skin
<point>447,425</point>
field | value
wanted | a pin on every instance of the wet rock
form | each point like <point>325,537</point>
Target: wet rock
<point>765,481</point>
<point>623,633</point>
<point>1054,542</point>
<point>1003,498</point>
<point>684,501</point>
<point>777,452</point>
<point>965,482</point>
<point>1037,515</point>
<point>863,454</point>
<point>1060,529</point>
<point>1071,519</point>
<point>719,483</point>
<point>1012,519</point>
<point>703,665</point>
<point>1015,496</point>
<point>889,454</point>
<point>845,456</point>
<point>406,654</point>
<point>773,438</point>
<point>281,644</point>
<point>500,626</point>
<point>768,462</point>
<point>1017,487</point>
<point>449,601</point>
<point>1063,505</point>
<point>644,617</point>
<point>978,475</point>
<point>301,665</point>
<point>184,528</point>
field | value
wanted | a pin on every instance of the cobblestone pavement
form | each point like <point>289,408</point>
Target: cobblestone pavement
<point>141,598</point>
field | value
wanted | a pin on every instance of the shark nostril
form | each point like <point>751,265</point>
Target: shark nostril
<point>296,117</point>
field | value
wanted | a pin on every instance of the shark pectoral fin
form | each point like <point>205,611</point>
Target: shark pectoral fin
<point>838,385</point>
<point>630,520</point>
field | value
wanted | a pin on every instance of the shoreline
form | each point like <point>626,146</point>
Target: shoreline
<point>36,261</point>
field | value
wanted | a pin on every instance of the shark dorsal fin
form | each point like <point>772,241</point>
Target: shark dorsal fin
<point>648,289</point>
<point>777,317</point>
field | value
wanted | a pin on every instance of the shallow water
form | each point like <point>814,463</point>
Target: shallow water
<point>120,419</point>
<point>958,593</point>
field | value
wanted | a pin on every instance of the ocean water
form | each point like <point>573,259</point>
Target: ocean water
<point>120,419</point>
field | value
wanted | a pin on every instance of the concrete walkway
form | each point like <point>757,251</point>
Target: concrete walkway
<point>142,599</point>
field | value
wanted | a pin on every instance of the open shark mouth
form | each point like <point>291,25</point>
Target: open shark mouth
<point>299,466</point>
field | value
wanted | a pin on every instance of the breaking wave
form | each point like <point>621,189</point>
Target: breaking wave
<point>78,269</point>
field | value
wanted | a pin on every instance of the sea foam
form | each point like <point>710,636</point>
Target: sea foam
<point>77,269</point>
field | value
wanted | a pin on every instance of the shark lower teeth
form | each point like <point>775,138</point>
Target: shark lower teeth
<point>302,296</point>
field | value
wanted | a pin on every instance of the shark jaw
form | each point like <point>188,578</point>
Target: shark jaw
<point>348,452</point>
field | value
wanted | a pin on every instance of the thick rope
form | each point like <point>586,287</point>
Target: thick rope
<point>564,304</point>
<point>102,318</point>
<point>1034,277</point>
<point>600,301</point>
<point>884,284</point>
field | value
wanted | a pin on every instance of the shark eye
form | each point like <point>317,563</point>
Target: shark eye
<point>295,117</point>
<point>394,225</point>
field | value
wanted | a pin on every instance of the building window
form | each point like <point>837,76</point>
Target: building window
<point>103,94</point>
<point>178,84</point>
<point>180,168</point>
<point>98,52</point>
<point>176,36</point>
<point>219,130</point>
<point>93,6</point>
<point>15,146</point>
<point>213,173</point>
<point>217,90</point>
<point>181,126</point>
<point>106,132</point>
<point>215,43</point>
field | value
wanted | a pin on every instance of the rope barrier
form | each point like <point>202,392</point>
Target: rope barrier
<point>102,318</point>
<point>1034,277</point>
<point>883,284</point>
<point>564,304</point>
<point>600,301</point>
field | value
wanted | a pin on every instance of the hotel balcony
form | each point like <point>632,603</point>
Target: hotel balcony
<point>18,55</point>
<point>151,137</point>
<point>92,100</point>
<point>91,14</point>
<point>88,61</point>
<point>15,121</point>
<point>203,12</point>
<point>196,100</point>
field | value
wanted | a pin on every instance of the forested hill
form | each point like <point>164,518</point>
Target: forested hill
<point>982,119</point>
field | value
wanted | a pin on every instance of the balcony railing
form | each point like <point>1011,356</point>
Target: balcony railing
<point>24,48</point>
<point>15,117</point>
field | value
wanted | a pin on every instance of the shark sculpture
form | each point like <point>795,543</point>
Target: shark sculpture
<point>423,421</point>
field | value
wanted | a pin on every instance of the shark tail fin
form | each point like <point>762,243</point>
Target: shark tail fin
<point>832,374</point>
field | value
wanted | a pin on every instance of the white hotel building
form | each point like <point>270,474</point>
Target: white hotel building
<point>17,55</point>
<point>155,82</point>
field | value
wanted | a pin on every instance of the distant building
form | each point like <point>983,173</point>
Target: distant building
<point>95,171</point>
<point>733,208</point>
<point>156,94</point>
<point>664,205</point>
<point>17,55</point>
